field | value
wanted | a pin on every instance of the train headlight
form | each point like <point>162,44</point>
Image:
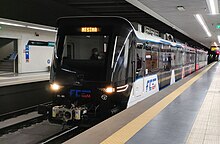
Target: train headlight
<point>109,90</point>
<point>55,87</point>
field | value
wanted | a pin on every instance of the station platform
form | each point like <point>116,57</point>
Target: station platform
<point>187,112</point>
<point>14,79</point>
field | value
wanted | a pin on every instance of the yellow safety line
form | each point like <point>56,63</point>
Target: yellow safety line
<point>129,130</point>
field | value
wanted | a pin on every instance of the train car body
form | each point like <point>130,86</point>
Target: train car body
<point>103,65</point>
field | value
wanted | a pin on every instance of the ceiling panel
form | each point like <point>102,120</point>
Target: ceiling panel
<point>47,11</point>
<point>185,20</point>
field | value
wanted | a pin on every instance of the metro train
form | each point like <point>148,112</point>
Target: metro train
<point>103,65</point>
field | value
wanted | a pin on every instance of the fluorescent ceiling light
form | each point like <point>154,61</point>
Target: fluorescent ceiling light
<point>12,24</point>
<point>218,38</point>
<point>213,6</point>
<point>26,25</point>
<point>181,8</point>
<point>40,28</point>
<point>201,21</point>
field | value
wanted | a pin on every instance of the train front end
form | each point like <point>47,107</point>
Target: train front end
<point>83,66</point>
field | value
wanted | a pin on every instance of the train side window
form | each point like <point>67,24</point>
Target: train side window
<point>178,57</point>
<point>151,57</point>
<point>154,61</point>
<point>167,60</point>
<point>148,60</point>
<point>139,60</point>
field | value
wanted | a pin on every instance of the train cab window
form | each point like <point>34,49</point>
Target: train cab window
<point>119,46</point>
<point>85,54</point>
<point>85,46</point>
<point>121,59</point>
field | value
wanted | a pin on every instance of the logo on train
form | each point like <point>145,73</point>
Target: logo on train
<point>80,93</point>
<point>151,84</point>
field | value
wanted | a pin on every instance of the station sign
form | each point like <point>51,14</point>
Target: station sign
<point>27,56</point>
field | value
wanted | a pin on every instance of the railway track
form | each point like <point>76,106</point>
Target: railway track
<point>62,136</point>
<point>32,127</point>
<point>33,130</point>
<point>28,127</point>
<point>19,112</point>
<point>20,122</point>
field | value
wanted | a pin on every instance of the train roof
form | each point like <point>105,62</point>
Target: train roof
<point>93,19</point>
<point>155,39</point>
<point>117,20</point>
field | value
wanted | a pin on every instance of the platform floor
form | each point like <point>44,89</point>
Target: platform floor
<point>206,128</point>
<point>187,119</point>
<point>186,112</point>
<point>14,79</point>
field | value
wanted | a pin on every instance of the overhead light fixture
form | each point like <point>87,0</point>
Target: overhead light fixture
<point>180,8</point>
<point>12,24</point>
<point>202,22</point>
<point>213,6</point>
<point>26,25</point>
<point>40,28</point>
<point>218,38</point>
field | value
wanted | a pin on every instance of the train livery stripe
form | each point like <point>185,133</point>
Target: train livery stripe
<point>164,79</point>
<point>168,77</point>
<point>129,130</point>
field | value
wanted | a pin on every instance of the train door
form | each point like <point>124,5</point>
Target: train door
<point>139,73</point>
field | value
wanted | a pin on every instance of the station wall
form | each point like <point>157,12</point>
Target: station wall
<point>39,57</point>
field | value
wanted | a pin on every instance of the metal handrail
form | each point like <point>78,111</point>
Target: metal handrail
<point>14,60</point>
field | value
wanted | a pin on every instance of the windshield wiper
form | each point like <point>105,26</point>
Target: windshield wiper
<point>68,70</point>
